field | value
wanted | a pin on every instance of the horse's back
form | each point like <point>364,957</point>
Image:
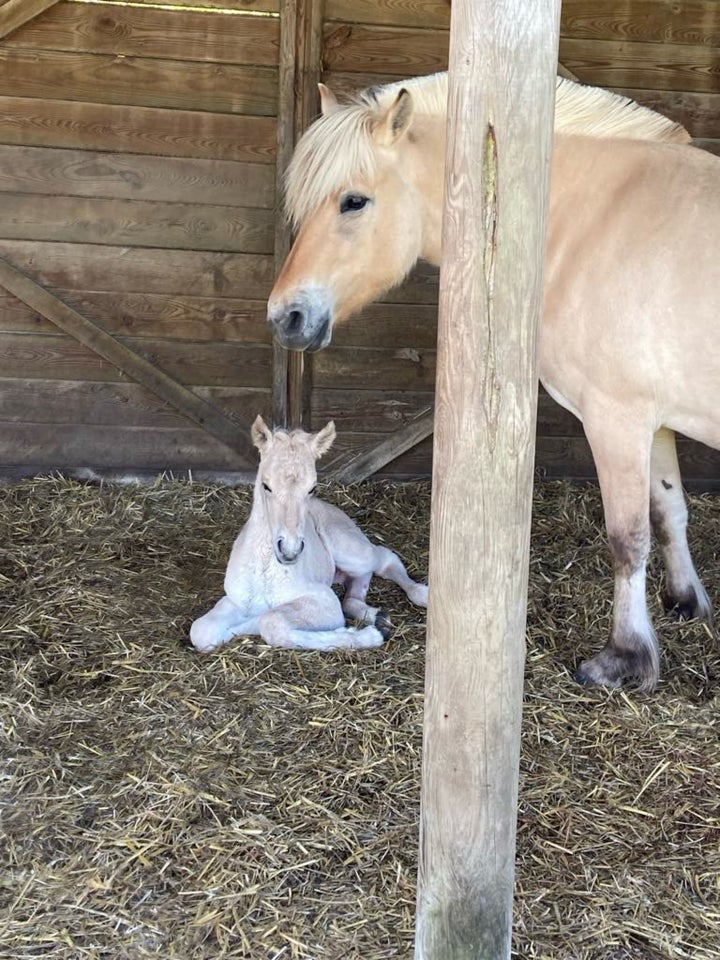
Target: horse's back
<point>633,279</point>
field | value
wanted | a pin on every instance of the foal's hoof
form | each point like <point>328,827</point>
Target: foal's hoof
<point>384,624</point>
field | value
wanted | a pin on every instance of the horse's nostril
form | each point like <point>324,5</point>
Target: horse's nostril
<point>295,320</point>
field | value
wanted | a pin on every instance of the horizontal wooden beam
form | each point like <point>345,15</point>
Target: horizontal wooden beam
<point>14,13</point>
<point>128,361</point>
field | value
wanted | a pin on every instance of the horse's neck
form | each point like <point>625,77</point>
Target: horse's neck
<point>424,165</point>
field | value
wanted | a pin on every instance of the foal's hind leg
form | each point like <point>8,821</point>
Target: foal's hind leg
<point>315,622</point>
<point>668,514</point>
<point>622,459</point>
<point>372,559</point>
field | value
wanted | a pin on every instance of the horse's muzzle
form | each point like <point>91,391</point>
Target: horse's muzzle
<point>302,324</point>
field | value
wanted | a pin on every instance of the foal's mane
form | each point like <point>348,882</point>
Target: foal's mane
<point>338,147</point>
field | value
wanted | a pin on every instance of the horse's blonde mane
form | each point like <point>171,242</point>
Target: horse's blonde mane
<point>338,147</point>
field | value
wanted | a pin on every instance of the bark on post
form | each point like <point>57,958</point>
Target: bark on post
<point>503,56</point>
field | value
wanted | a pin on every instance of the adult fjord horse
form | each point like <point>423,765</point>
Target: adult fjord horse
<point>628,337</point>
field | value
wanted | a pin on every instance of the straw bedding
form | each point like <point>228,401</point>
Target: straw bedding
<point>258,803</point>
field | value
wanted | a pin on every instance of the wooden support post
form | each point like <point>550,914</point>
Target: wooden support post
<point>299,72</point>
<point>503,57</point>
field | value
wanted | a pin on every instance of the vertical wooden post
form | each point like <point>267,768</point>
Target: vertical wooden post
<point>300,65</point>
<point>503,55</point>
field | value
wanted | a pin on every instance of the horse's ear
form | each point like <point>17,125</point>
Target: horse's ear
<point>328,100</point>
<point>261,433</point>
<point>321,442</point>
<point>393,124</point>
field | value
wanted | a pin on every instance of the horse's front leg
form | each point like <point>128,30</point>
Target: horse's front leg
<point>684,592</point>
<point>622,459</point>
<point>219,625</point>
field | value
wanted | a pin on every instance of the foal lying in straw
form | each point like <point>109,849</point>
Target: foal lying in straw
<point>278,582</point>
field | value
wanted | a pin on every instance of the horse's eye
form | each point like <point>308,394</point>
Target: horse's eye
<point>266,488</point>
<point>352,202</point>
<point>313,491</point>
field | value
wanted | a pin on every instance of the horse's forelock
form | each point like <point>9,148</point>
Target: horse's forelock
<point>336,149</point>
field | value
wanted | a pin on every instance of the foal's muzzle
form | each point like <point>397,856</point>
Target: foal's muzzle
<point>287,553</point>
<point>304,323</point>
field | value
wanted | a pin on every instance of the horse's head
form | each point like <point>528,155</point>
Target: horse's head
<point>286,482</point>
<point>354,195</point>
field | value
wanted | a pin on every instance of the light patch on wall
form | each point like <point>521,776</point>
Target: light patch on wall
<point>181,8</point>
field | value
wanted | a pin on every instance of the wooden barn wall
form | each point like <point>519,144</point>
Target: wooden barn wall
<point>137,183</point>
<point>380,372</point>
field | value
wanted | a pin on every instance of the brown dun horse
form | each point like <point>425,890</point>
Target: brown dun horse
<point>629,330</point>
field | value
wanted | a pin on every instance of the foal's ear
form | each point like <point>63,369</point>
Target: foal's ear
<point>321,442</point>
<point>396,120</point>
<point>328,100</point>
<point>261,433</point>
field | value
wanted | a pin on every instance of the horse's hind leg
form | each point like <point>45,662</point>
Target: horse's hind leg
<point>622,459</point>
<point>684,592</point>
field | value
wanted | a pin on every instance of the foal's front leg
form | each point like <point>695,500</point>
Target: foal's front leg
<point>684,592</point>
<point>622,458</point>
<point>219,625</point>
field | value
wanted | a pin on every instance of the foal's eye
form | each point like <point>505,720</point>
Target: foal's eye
<point>352,202</point>
<point>313,491</point>
<point>266,488</point>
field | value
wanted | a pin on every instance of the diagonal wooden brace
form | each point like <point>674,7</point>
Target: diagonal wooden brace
<point>128,361</point>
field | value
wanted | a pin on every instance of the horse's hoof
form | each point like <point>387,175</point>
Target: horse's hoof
<point>384,624</point>
<point>688,605</point>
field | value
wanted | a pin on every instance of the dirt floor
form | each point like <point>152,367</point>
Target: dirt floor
<point>263,804</point>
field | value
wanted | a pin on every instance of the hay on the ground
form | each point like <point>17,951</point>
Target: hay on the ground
<point>258,803</point>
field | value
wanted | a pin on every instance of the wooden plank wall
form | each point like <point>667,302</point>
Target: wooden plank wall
<point>137,183</point>
<point>663,53</point>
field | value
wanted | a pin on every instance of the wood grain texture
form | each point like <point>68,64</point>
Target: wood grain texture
<point>133,364</point>
<point>121,404</point>
<point>649,21</point>
<point>241,6</point>
<point>177,273</point>
<point>16,13</point>
<point>159,316</point>
<point>496,180</point>
<point>41,357</point>
<point>428,14</point>
<point>136,223</point>
<point>139,81</point>
<point>97,126</point>
<point>56,446</point>
<point>118,176</point>
<point>401,52</point>
<point>131,31</point>
<point>364,368</point>
<point>615,63</point>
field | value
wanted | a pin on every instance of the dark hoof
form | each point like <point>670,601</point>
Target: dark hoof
<point>688,606</point>
<point>384,624</point>
<point>636,660</point>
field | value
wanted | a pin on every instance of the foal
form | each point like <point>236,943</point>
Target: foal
<point>292,549</point>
